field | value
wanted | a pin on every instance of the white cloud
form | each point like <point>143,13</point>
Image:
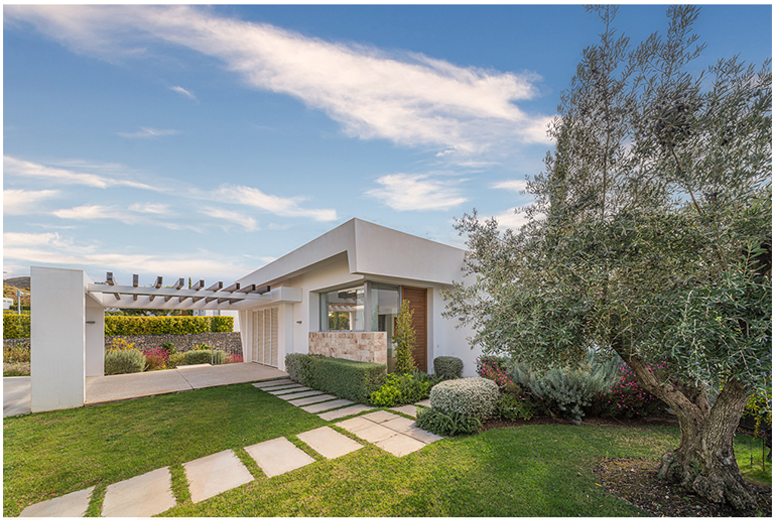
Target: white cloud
<point>185,92</point>
<point>281,206</point>
<point>249,223</point>
<point>407,192</point>
<point>98,212</point>
<point>514,218</point>
<point>155,209</point>
<point>21,168</point>
<point>512,185</point>
<point>410,99</point>
<point>21,202</point>
<point>52,249</point>
<point>148,133</point>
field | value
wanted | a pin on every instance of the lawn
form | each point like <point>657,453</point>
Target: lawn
<point>535,470</point>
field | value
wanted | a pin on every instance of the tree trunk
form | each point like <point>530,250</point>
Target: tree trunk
<point>704,461</point>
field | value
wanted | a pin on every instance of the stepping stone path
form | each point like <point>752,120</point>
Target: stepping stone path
<point>151,493</point>
<point>145,495</point>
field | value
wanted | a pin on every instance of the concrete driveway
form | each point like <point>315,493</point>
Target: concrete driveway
<point>16,395</point>
<point>104,389</point>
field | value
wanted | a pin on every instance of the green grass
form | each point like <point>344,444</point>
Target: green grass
<point>53,453</point>
<point>748,449</point>
<point>534,470</point>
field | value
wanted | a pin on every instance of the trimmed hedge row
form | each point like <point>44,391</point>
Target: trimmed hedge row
<point>353,380</point>
<point>18,326</point>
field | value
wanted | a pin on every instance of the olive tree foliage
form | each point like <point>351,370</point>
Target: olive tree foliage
<point>650,237</point>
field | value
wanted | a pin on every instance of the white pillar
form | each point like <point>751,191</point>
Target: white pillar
<point>95,336</point>
<point>285,333</point>
<point>246,334</point>
<point>58,338</point>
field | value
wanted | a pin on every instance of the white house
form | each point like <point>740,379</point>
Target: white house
<point>352,282</point>
<point>338,295</point>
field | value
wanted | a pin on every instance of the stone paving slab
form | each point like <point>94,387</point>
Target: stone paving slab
<point>399,424</point>
<point>144,495</point>
<point>285,389</point>
<point>276,382</point>
<point>421,435</point>
<point>214,474</point>
<point>355,424</point>
<point>373,433</point>
<point>72,504</point>
<point>322,407</point>
<point>408,409</point>
<point>425,402</point>
<point>400,445</point>
<point>299,395</point>
<point>278,456</point>
<point>344,412</point>
<point>328,442</point>
<point>312,399</point>
<point>380,416</point>
<point>100,389</point>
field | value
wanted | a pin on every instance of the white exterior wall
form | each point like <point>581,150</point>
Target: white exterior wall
<point>58,338</point>
<point>449,340</point>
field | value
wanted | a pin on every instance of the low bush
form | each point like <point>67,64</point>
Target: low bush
<point>297,366</point>
<point>120,344</point>
<point>403,389</point>
<point>124,362</point>
<point>453,423</point>
<point>16,326</point>
<point>627,399</point>
<point>16,369</point>
<point>156,359</point>
<point>234,358</point>
<point>472,396</point>
<point>514,407</point>
<point>198,357</point>
<point>568,392</point>
<point>353,380</point>
<point>221,324</point>
<point>497,369</point>
<point>448,367</point>
<point>169,347</point>
<point>16,354</point>
<point>176,359</point>
<point>202,346</point>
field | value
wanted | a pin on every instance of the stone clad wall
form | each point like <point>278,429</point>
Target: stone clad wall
<point>370,347</point>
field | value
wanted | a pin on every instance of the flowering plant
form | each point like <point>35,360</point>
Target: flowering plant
<point>493,367</point>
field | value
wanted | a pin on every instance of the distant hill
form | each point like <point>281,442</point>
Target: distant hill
<point>20,282</point>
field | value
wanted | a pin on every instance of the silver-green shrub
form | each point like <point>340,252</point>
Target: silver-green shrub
<point>124,362</point>
<point>198,357</point>
<point>472,396</point>
<point>569,390</point>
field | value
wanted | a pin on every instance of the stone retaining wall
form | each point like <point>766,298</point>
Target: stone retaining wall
<point>370,347</point>
<point>227,341</point>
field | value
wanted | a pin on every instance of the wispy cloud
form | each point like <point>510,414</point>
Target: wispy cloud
<point>149,133</point>
<point>99,212</point>
<point>21,168</point>
<point>511,185</point>
<point>249,223</point>
<point>407,192</point>
<point>184,92</point>
<point>53,249</point>
<point>21,202</point>
<point>408,98</point>
<point>514,218</point>
<point>155,209</point>
<point>281,206</point>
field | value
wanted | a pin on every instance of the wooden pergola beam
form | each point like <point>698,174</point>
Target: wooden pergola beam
<point>157,284</point>
<point>109,279</point>
<point>232,288</point>
<point>217,286</point>
<point>135,280</point>
<point>198,285</point>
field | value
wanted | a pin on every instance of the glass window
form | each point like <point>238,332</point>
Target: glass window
<point>342,309</point>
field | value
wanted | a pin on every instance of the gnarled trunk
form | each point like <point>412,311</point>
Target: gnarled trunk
<point>704,461</point>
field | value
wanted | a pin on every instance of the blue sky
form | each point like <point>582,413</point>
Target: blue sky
<point>204,142</point>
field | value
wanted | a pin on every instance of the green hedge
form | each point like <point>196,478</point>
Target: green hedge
<point>347,379</point>
<point>16,326</point>
<point>148,325</point>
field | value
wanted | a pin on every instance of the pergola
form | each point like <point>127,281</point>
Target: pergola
<point>67,328</point>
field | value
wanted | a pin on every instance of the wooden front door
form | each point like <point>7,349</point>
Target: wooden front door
<point>418,302</point>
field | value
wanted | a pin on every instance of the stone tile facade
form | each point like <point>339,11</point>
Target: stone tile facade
<point>370,347</point>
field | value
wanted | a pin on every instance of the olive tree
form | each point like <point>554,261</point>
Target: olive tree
<point>650,238</point>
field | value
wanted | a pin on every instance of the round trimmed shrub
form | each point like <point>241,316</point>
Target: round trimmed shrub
<point>448,367</point>
<point>124,362</point>
<point>472,396</point>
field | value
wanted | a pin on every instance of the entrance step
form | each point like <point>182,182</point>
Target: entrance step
<point>276,382</point>
<point>328,442</point>
<point>72,504</point>
<point>144,495</point>
<point>278,456</point>
<point>312,399</point>
<point>283,389</point>
<point>299,395</point>
<point>322,407</point>
<point>215,474</point>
